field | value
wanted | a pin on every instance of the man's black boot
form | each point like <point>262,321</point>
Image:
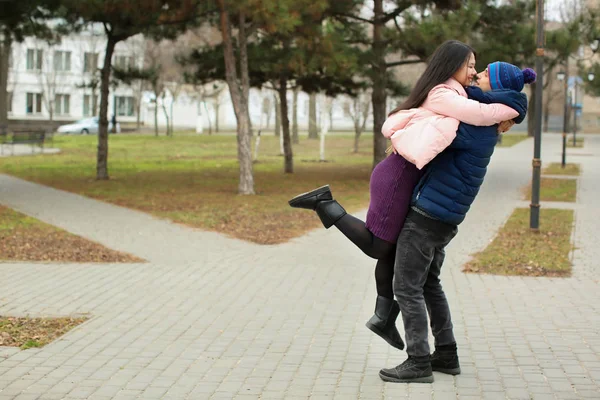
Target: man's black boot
<point>383,322</point>
<point>414,369</point>
<point>445,359</point>
<point>309,200</point>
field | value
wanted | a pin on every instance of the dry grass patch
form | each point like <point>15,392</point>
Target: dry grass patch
<point>511,140</point>
<point>193,180</point>
<point>579,142</point>
<point>555,189</point>
<point>516,250</point>
<point>557,169</point>
<point>23,238</point>
<point>34,332</point>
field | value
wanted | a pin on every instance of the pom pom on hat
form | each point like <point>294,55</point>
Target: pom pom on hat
<point>507,76</point>
<point>529,75</point>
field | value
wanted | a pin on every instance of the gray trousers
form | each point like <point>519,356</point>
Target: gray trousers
<point>419,258</point>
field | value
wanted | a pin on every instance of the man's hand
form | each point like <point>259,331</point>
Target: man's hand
<point>505,126</point>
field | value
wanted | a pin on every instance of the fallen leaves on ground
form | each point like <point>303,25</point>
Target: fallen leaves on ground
<point>26,332</point>
<point>23,238</point>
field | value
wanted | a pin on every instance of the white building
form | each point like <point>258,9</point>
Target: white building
<point>53,82</point>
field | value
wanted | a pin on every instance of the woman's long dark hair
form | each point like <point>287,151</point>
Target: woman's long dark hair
<point>448,58</point>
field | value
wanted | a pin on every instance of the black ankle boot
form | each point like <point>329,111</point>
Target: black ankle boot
<point>445,359</point>
<point>309,200</point>
<point>329,211</point>
<point>383,322</point>
<point>414,369</point>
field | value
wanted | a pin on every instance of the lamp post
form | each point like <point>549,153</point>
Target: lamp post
<point>534,220</point>
<point>575,97</point>
<point>564,77</point>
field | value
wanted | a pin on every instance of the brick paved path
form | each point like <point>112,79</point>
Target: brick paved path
<point>215,318</point>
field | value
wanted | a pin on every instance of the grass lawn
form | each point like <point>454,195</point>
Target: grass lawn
<point>23,238</point>
<point>555,189</point>
<point>519,251</point>
<point>34,332</point>
<point>193,179</point>
<point>511,140</point>
<point>557,169</point>
<point>578,142</point>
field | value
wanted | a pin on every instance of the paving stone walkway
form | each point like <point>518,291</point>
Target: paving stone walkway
<point>209,317</point>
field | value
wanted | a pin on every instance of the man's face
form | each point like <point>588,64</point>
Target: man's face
<point>483,81</point>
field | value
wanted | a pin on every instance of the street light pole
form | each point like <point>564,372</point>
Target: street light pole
<point>534,221</point>
<point>575,114</point>
<point>565,114</point>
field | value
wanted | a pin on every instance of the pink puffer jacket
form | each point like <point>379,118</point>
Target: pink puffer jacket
<point>420,134</point>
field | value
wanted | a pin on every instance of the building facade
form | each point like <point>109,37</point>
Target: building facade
<point>61,83</point>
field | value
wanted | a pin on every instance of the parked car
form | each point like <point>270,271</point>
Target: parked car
<point>85,126</point>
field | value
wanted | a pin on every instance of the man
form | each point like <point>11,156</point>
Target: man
<point>440,202</point>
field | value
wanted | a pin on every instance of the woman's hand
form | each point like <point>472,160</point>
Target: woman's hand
<point>505,126</point>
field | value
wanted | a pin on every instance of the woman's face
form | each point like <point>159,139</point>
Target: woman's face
<point>466,73</point>
<point>483,81</point>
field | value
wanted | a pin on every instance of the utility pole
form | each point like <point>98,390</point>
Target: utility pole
<point>565,114</point>
<point>534,221</point>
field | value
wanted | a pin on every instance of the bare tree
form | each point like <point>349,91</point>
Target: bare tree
<point>50,63</point>
<point>239,88</point>
<point>312,117</point>
<point>214,94</point>
<point>295,138</point>
<point>358,110</point>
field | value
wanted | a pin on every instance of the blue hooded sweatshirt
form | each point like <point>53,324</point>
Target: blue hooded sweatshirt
<point>452,179</point>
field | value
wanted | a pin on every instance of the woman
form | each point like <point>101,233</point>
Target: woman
<point>442,100</point>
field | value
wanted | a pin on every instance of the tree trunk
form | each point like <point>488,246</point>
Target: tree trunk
<point>285,122</point>
<point>359,127</point>
<point>166,115</point>
<point>546,115</point>
<point>246,184</point>
<point>138,106</point>
<point>208,118</point>
<point>277,115</point>
<point>313,132</point>
<point>102,159</point>
<point>172,119</point>
<point>5,48</point>
<point>379,95</point>
<point>217,106</point>
<point>295,138</point>
<point>357,133</point>
<point>155,113</point>
<point>94,102</point>
<point>531,113</point>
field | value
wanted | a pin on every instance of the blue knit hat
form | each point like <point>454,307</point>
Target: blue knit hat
<point>507,76</point>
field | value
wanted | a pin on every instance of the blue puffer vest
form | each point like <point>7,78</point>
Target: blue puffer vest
<point>452,179</point>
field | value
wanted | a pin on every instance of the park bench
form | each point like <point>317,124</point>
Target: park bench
<point>28,137</point>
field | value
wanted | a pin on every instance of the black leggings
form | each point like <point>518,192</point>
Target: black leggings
<point>384,252</point>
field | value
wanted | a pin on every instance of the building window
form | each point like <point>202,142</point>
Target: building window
<point>125,106</point>
<point>90,62</point>
<point>9,99</point>
<point>34,59</point>
<point>62,60</point>
<point>34,103</point>
<point>89,104</point>
<point>123,62</point>
<point>62,104</point>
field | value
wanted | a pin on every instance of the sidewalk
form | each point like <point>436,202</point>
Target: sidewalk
<point>210,317</point>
